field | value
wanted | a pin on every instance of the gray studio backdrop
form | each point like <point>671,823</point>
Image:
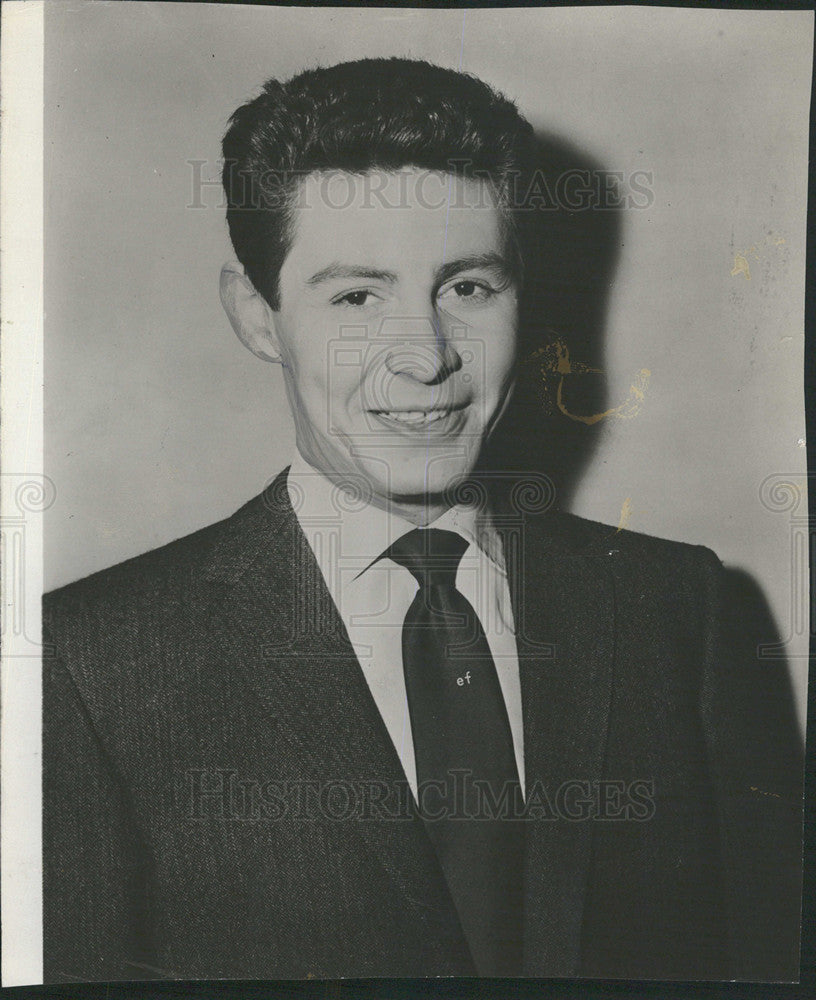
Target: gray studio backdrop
<point>158,422</point>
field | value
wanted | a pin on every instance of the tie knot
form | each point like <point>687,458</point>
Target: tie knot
<point>431,555</point>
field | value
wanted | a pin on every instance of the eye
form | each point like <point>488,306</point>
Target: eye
<point>357,298</point>
<point>467,290</point>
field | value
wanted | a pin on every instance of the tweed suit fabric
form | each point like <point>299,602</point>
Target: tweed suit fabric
<point>183,681</point>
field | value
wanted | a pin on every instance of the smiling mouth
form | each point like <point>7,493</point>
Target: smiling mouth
<point>438,419</point>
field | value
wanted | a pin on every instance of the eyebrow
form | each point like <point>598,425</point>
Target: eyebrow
<point>479,261</point>
<point>485,261</point>
<point>350,271</point>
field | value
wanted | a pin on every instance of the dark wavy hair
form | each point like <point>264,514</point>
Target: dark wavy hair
<point>359,116</point>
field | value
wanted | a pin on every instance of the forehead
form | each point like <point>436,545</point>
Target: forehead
<point>392,217</point>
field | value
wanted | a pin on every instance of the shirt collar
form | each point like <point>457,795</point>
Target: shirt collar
<point>368,530</point>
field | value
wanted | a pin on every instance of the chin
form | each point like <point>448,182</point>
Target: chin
<point>427,480</point>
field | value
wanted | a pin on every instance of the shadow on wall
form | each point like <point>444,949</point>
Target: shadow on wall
<point>553,425</point>
<point>766,689</point>
<point>573,223</point>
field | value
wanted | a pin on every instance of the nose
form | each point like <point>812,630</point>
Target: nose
<point>422,350</point>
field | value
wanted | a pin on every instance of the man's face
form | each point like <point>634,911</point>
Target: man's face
<point>397,327</point>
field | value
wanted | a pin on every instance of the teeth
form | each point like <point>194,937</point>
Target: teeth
<point>417,417</point>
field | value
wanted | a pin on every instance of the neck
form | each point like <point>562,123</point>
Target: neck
<point>418,510</point>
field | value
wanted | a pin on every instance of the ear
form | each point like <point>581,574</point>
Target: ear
<point>249,313</point>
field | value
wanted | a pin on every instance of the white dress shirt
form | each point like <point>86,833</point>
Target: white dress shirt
<point>373,595</point>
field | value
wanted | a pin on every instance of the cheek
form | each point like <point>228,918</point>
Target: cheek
<point>497,356</point>
<point>307,365</point>
<point>327,384</point>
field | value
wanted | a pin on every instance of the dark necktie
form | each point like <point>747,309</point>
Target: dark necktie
<point>466,768</point>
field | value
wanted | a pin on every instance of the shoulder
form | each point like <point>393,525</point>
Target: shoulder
<point>168,567</point>
<point>592,538</point>
<point>176,571</point>
<point>650,570</point>
<point>147,624</point>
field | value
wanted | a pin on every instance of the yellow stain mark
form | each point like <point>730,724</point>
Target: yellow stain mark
<point>762,791</point>
<point>555,360</point>
<point>562,365</point>
<point>625,514</point>
<point>629,408</point>
<point>741,267</point>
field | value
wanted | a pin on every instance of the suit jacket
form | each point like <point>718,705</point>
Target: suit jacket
<point>206,724</point>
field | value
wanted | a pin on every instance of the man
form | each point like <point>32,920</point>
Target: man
<point>396,717</point>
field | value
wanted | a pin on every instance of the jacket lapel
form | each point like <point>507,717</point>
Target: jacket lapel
<point>290,646</point>
<point>292,649</point>
<point>563,606</point>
